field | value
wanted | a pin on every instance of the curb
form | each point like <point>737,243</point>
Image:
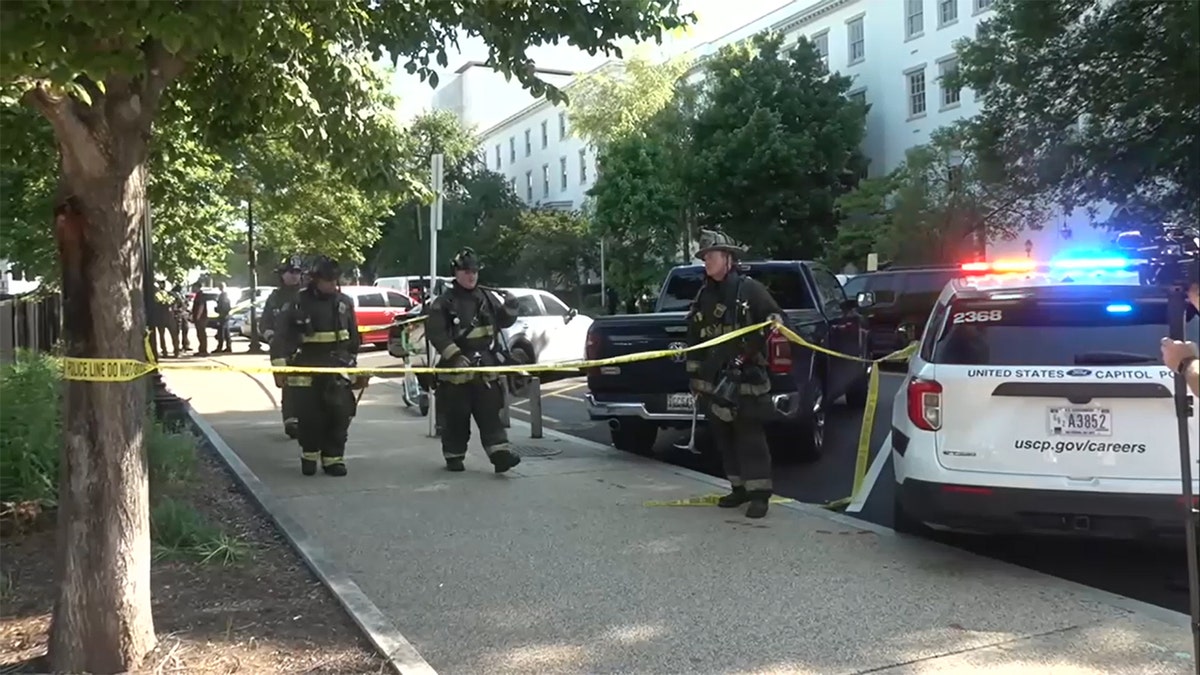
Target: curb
<point>379,630</point>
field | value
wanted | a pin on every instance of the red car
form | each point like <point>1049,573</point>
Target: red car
<point>376,307</point>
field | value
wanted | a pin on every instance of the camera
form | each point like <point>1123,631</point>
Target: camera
<point>1166,255</point>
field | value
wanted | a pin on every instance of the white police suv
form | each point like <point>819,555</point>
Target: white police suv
<point>1038,403</point>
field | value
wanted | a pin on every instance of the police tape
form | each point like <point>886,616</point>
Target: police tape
<point>106,370</point>
<point>706,500</point>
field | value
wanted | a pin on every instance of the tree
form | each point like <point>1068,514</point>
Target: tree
<point>639,203</point>
<point>775,142</point>
<point>553,247</point>
<point>944,202</point>
<point>865,215</point>
<point>616,102</point>
<point>1097,99</point>
<point>99,73</point>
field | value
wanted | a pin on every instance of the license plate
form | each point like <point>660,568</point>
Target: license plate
<point>680,402</point>
<point>1080,422</point>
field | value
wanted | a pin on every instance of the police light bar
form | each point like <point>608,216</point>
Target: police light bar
<point>1029,266</point>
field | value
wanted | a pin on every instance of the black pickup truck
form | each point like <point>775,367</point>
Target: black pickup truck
<point>637,399</point>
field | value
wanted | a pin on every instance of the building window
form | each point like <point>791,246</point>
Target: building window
<point>983,5</point>
<point>528,143</point>
<point>512,184</point>
<point>583,166</point>
<point>545,134</point>
<point>820,43</point>
<point>947,12</point>
<point>562,125</point>
<point>497,156</point>
<point>545,180</point>
<point>562,173</point>
<point>859,97</point>
<point>512,149</point>
<point>916,92</point>
<point>950,96</point>
<point>914,18</point>
<point>529,186</point>
<point>856,38</point>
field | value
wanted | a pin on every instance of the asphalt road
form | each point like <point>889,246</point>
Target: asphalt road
<point>1149,573</point>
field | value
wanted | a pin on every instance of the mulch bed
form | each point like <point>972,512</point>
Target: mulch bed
<point>265,613</point>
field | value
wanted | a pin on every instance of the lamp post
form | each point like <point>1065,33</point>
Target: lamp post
<point>255,347</point>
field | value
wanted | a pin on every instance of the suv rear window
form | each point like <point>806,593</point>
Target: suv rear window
<point>1054,333</point>
<point>785,283</point>
<point>927,282</point>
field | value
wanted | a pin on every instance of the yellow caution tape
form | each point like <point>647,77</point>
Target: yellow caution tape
<point>82,367</point>
<point>706,500</point>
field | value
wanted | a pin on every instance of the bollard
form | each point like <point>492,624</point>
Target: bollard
<point>535,407</point>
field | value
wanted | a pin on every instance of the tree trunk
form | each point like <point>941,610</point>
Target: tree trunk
<point>102,616</point>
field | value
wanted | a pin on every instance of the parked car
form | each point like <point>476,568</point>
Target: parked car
<point>638,399</point>
<point>904,297</point>
<point>406,285</point>
<point>547,331</point>
<point>376,307</point>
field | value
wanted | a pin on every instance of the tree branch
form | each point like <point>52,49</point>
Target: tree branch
<point>75,140</point>
<point>162,68</point>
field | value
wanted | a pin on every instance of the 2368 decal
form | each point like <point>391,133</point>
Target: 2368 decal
<point>983,316</point>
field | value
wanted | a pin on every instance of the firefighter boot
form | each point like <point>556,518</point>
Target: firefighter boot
<point>736,497</point>
<point>455,464</point>
<point>759,501</point>
<point>291,427</point>
<point>504,460</point>
<point>308,463</point>
<point>333,466</point>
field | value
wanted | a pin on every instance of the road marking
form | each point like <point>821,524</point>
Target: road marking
<point>567,396</point>
<point>545,418</point>
<point>559,391</point>
<point>881,456</point>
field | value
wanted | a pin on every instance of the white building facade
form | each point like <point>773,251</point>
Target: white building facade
<point>895,52</point>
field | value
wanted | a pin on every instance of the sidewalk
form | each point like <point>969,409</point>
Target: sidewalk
<point>558,567</point>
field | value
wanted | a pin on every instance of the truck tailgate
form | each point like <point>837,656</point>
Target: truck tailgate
<point>621,335</point>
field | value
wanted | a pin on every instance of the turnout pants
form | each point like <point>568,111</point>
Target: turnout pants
<point>744,452</point>
<point>287,404</point>
<point>457,403</point>
<point>324,407</point>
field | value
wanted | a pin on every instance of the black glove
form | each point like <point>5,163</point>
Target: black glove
<point>510,300</point>
<point>459,360</point>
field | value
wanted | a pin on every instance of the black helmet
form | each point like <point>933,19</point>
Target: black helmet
<point>325,268</point>
<point>291,264</point>
<point>466,260</point>
<point>715,240</point>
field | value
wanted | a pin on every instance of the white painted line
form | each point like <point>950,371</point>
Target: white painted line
<point>567,396</point>
<point>877,464</point>
<point>546,418</point>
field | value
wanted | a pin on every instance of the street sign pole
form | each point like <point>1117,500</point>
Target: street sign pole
<point>435,225</point>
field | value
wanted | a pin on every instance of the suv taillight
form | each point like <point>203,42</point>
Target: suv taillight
<point>779,354</point>
<point>925,404</point>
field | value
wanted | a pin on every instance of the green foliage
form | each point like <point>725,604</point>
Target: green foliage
<point>550,248</point>
<point>179,532</point>
<point>865,217</point>
<point>28,171</point>
<point>617,102</point>
<point>30,417</point>
<point>774,144</point>
<point>1095,99</point>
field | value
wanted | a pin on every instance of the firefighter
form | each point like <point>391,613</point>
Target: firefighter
<point>319,329</point>
<point>730,381</point>
<point>275,307</point>
<point>463,326</point>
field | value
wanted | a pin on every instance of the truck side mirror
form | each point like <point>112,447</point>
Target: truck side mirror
<point>571,314</point>
<point>865,299</point>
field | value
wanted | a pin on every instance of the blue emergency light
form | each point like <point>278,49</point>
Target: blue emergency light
<point>1119,308</point>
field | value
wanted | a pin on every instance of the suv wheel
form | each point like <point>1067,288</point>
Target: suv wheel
<point>856,396</point>
<point>636,436</point>
<point>902,522</point>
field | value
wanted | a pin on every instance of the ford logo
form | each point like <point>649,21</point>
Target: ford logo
<point>674,346</point>
<point>1079,372</point>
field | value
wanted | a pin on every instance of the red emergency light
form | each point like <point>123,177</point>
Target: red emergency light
<point>999,267</point>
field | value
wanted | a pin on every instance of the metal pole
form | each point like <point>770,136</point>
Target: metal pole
<point>603,284</point>
<point>1176,310</point>
<point>255,348</point>
<point>535,407</point>
<point>435,224</point>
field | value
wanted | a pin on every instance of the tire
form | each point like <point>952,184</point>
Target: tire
<point>856,397</point>
<point>805,440</point>
<point>523,354</point>
<point>424,404</point>
<point>636,436</point>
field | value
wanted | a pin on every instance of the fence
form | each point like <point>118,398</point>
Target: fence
<point>29,324</point>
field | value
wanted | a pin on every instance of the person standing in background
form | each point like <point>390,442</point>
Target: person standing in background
<point>224,306</point>
<point>181,317</point>
<point>200,318</point>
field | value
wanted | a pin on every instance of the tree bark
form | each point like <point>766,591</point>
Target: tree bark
<point>102,619</point>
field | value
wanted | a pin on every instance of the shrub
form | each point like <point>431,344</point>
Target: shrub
<point>31,440</point>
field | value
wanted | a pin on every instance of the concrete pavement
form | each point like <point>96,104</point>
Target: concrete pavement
<point>558,567</point>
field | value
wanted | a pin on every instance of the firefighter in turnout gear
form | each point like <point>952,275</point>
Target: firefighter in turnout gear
<point>319,329</point>
<point>731,381</point>
<point>463,326</point>
<point>275,307</point>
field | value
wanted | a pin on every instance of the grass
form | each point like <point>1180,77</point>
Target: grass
<point>31,417</point>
